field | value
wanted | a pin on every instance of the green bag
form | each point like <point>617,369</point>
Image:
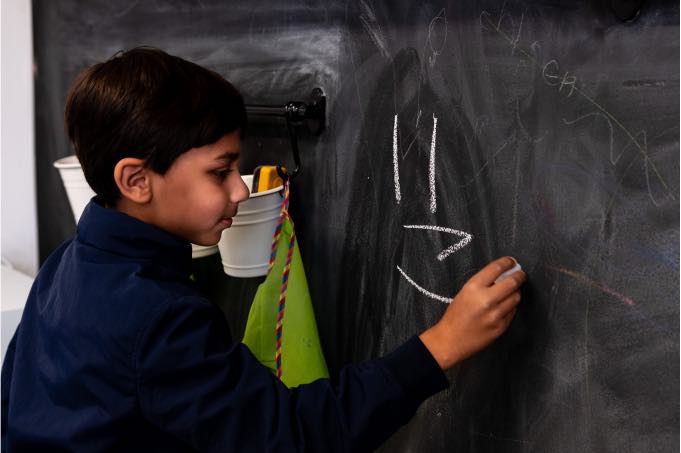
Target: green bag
<point>302,360</point>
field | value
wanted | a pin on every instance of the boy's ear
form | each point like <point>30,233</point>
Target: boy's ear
<point>133,180</point>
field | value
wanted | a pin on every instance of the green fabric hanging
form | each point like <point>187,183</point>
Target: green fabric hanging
<point>302,359</point>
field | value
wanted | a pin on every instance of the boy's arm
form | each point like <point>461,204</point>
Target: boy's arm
<point>215,396</point>
<point>198,386</point>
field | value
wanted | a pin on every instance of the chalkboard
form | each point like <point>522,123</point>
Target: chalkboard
<point>457,132</point>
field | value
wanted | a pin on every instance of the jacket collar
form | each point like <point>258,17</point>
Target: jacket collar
<point>120,234</point>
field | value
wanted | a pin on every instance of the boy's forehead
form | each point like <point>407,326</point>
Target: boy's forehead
<point>229,155</point>
<point>228,147</point>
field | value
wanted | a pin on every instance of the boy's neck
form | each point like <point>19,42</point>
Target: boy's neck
<point>132,209</point>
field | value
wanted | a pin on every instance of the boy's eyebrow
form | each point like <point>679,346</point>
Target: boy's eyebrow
<point>229,156</point>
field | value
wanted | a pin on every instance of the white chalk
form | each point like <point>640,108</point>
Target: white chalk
<point>431,167</point>
<point>506,274</point>
<point>396,165</point>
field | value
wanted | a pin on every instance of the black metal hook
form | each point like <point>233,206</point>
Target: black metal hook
<point>296,113</point>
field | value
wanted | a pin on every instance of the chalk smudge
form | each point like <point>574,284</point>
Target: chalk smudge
<point>373,28</point>
<point>437,36</point>
<point>594,284</point>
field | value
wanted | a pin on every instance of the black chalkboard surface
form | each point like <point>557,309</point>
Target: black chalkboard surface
<point>457,132</point>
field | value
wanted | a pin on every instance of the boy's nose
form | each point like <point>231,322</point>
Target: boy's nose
<point>240,192</point>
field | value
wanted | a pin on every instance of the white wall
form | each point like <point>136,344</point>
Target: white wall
<point>19,230</point>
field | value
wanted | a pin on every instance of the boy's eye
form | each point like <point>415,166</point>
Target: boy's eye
<point>222,172</point>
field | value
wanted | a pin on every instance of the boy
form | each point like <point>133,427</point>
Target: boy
<point>117,351</point>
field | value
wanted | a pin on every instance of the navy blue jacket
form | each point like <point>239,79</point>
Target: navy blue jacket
<point>117,351</point>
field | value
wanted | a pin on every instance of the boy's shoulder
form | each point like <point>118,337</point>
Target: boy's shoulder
<point>82,288</point>
<point>116,275</point>
<point>124,283</point>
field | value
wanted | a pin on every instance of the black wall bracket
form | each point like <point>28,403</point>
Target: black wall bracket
<point>296,113</point>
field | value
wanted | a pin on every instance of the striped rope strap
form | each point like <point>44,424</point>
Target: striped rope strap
<point>284,278</point>
<point>280,225</point>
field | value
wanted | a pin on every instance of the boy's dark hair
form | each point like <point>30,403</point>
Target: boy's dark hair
<point>147,104</point>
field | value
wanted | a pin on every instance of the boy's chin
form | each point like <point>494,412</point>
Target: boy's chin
<point>207,242</point>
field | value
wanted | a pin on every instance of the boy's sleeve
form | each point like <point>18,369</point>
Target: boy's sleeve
<point>213,395</point>
<point>5,386</point>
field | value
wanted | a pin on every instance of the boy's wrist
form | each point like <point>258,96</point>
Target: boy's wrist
<point>415,369</point>
<point>440,347</point>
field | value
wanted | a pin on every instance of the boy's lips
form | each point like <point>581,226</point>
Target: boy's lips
<point>226,221</point>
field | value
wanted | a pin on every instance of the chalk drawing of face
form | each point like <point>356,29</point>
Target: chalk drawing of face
<point>412,230</point>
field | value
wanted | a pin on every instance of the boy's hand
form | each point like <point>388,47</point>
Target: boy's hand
<point>478,314</point>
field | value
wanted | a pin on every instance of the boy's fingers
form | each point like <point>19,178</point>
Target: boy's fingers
<point>509,304</point>
<point>501,290</point>
<point>509,317</point>
<point>492,271</point>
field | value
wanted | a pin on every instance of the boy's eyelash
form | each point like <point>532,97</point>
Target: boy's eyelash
<point>223,172</point>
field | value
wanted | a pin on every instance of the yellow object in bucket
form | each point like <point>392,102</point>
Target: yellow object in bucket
<point>266,177</point>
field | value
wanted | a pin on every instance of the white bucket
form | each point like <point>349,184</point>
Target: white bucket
<point>245,247</point>
<point>77,188</point>
<point>80,193</point>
